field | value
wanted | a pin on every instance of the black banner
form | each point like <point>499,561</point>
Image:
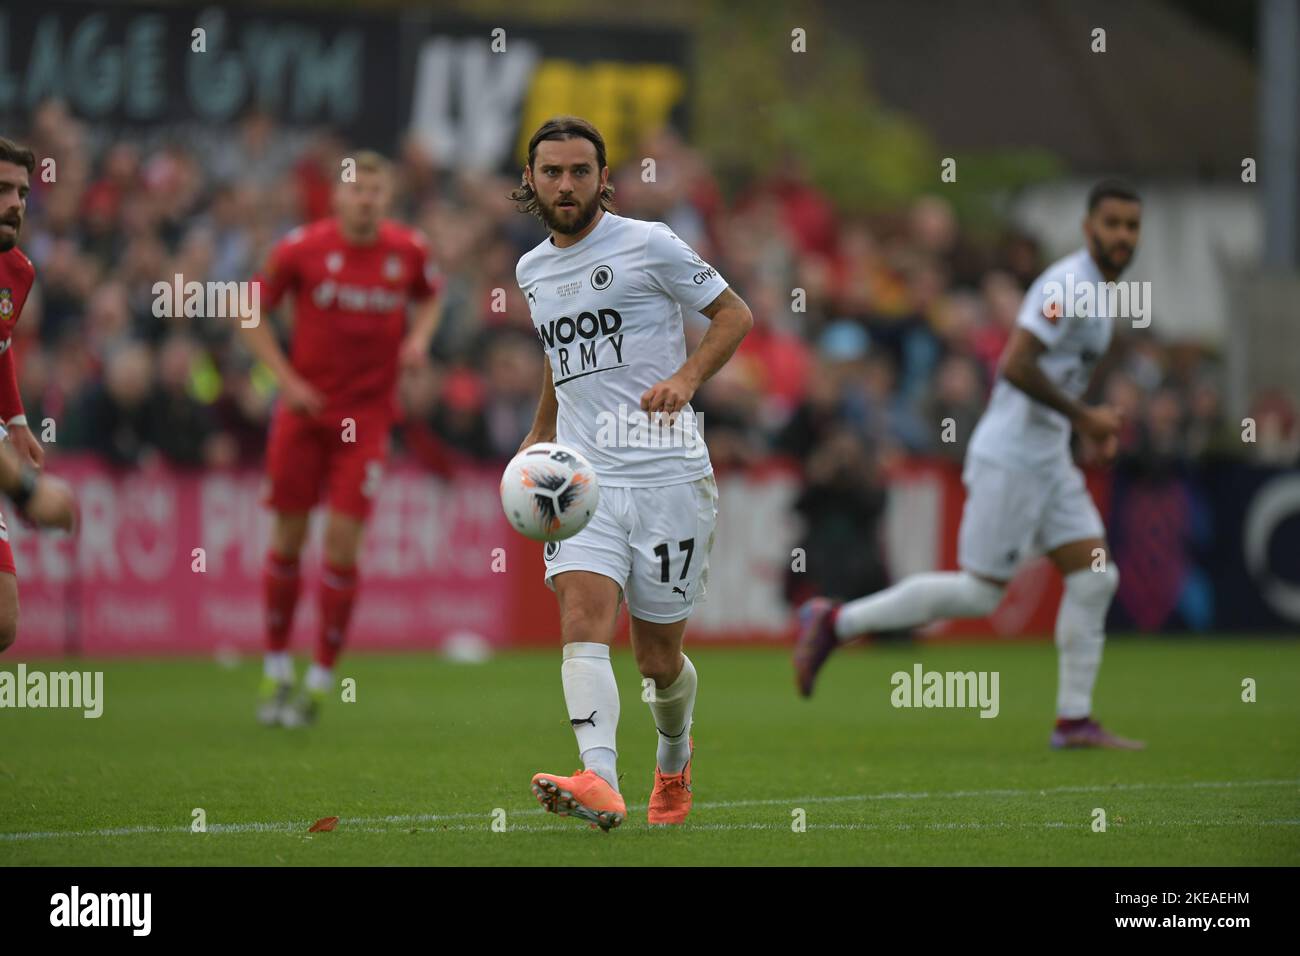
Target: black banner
<point>471,92</point>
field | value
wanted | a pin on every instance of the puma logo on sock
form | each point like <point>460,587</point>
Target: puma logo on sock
<point>584,720</point>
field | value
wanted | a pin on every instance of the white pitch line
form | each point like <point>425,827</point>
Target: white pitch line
<point>367,824</point>
<point>1084,825</point>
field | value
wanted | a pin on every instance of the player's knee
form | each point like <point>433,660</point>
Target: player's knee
<point>980,596</point>
<point>342,542</point>
<point>1091,586</point>
<point>662,663</point>
<point>288,532</point>
<point>8,628</point>
<point>584,621</point>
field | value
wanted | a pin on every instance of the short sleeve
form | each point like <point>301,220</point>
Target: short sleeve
<point>281,271</point>
<point>426,280</point>
<point>674,267</point>
<point>1043,312</point>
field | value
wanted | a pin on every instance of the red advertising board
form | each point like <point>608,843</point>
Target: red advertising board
<point>168,562</point>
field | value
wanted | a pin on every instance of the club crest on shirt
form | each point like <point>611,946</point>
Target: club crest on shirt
<point>6,304</point>
<point>601,277</point>
<point>392,268</point>
<point>334,261</point>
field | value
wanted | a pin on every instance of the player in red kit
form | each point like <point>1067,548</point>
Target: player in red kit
<point>42,500</point>
<point>351,278</point>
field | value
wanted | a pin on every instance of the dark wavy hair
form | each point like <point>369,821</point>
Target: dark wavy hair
<point>11,152</point>
<point>1111,189</point>
<point>562,127</point>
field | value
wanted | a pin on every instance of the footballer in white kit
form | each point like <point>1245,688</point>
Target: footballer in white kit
<point>609,298</point>
<point>1024,495</point>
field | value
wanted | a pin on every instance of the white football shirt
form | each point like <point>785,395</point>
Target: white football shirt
<point>609,313</point>
<point>1076,329</point>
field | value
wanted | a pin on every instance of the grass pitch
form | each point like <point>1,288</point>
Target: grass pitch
<point>420,766</point>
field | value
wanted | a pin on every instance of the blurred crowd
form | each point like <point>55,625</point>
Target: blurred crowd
<point>873,339</point>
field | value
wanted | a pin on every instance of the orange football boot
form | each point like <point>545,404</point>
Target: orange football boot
<point>670,801</point>
<point>585,795</point>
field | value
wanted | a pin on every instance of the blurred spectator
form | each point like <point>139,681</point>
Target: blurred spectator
<point>113,419</point>
<point>180,426</point>
<point>957,398</point>
<point>841,504</point>
<point>878,327</point>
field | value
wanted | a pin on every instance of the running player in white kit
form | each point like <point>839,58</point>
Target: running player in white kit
<point>1024,495</point>
<point>607,297</point>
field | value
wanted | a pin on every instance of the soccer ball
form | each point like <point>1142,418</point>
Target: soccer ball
<point>549,492</point>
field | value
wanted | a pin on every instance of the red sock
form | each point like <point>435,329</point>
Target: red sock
<point>1071,723</point>
<point>338,589</point>
<point>281,584</point>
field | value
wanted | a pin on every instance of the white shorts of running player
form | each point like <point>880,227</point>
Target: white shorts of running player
<point>654,542</point>
<point>1014,513</point>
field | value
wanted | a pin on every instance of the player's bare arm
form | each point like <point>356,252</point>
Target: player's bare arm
<point>26,444</point>
<point>45,501</point>
<point>730,321</point>
<point>298,392</point>
<point>1103,451</point>
<point>548,408</point>
<point>415,348</point>
<point>1020,368</point>
<point>20,435</point>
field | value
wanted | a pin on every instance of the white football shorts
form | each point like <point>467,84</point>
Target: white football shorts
<point>654,542</point>
<point>1014,513</point>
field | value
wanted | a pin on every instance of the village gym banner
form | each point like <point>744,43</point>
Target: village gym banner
<point>470,92</point>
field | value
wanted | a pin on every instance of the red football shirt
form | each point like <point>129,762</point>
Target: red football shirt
<point>349,307</point>
<point>16,277</point>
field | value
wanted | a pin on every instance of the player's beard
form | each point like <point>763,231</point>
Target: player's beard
<point>579,222</point>
<point>7,243</point>
<point>1102,255</point>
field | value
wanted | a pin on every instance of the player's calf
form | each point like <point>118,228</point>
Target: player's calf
<point>8,610</point>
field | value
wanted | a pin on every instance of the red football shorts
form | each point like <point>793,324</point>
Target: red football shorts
<point>332,454</point>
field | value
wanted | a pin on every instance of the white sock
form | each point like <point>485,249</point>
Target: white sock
<point>1080,637</point>
<point>278,665</point>
<point>319,678</point>
<point>919,599</point>
<point>672,709</point>
<point>591,695</point>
